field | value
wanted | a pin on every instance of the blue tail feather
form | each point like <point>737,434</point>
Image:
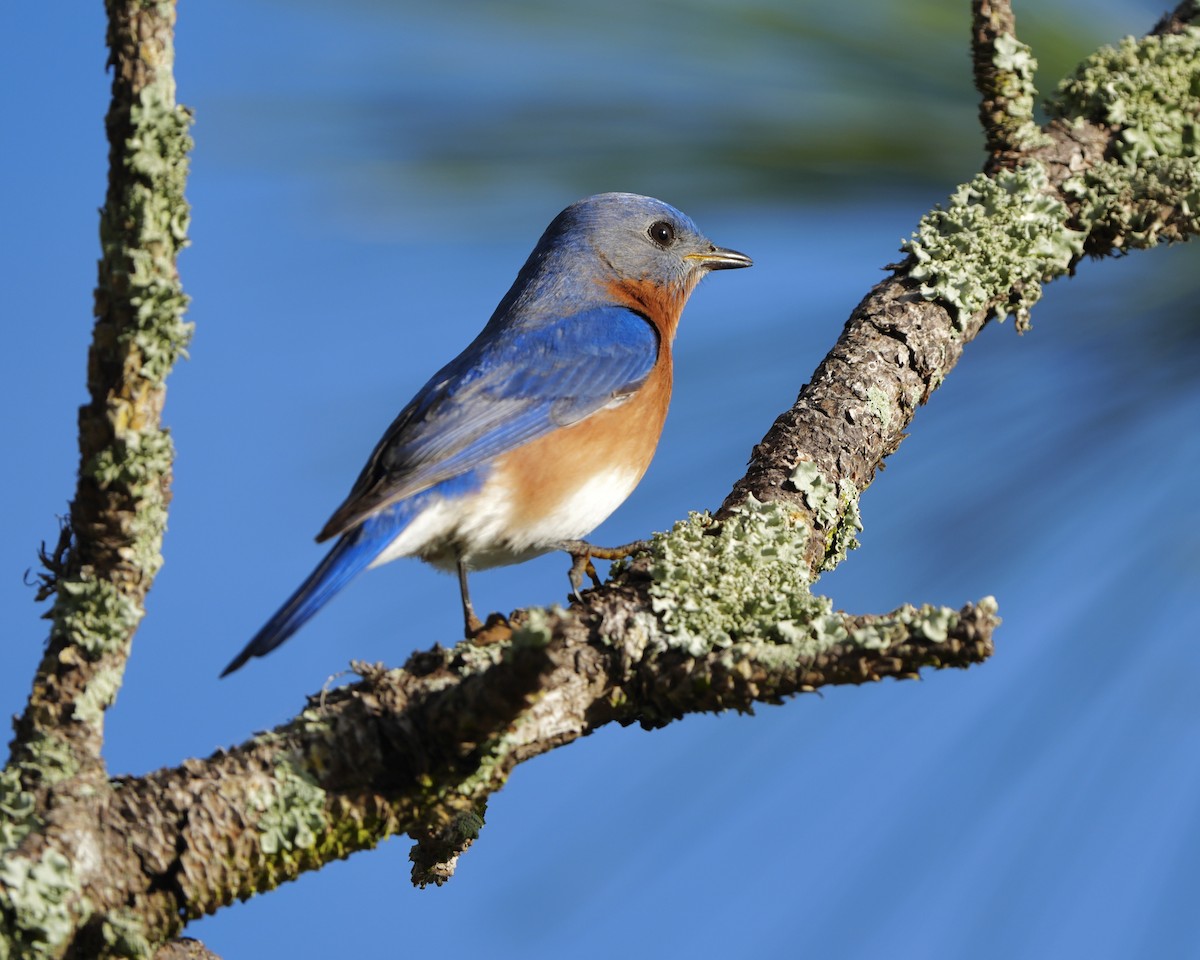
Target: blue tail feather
<point>352,554</point>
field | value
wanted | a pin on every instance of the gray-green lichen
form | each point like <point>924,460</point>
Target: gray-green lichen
<point>994,246</point>
<point>98,695</point>
<point>1146,87</point>
<point>295,827</point>
<point>138,461</point>
<point>40,905</point>
<point>1148,189</point>
<point>906,624</point>
<point>843,535</point>
<point>18,816</point>
<point>157,157</point>
<point>880,404</point>
<point>743,579</point>
<point>819,494</point>
<point>125,936</point>
<point>45,760</point>
<point>292,809</point>
<point>95,615</point>
<point>1132,208</point>
<point>834,507</point>
<point>537,630</point>
<point>1016,66</point>
<point>910,623</point>
<point>493,758</point>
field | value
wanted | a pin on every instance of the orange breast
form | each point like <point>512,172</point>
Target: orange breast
<point>547,473</point>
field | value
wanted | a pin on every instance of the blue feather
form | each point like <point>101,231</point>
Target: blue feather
<point>351,555</point>
<point>512,385</point>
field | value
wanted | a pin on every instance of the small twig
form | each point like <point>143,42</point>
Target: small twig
<point>54,564</point>
<point>1004,69</point>
<point>1179,19</point>
<point>185,948</point>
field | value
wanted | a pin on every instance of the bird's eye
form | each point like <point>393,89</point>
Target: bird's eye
<point>662,233</point>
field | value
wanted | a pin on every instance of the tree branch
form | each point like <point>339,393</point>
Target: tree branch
<point>56,895</point>
<point>184,948</point>
<point>419,750</point>
<point>1118,170</point>
<point>125,455</point>
<point>1004,69</point>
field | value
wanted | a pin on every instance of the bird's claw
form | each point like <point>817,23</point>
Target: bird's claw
<point>582,553</point>
<point>581,563</point>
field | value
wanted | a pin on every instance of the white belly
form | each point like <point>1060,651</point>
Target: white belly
<point>488,531</point>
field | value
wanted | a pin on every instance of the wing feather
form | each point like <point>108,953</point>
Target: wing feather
<point>503,391</point>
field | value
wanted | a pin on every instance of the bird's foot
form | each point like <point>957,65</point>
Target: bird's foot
<point>471,623</point>
<point>582,553</point>
<point>496,629</point>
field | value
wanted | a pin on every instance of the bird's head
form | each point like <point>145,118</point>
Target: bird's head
<point>640,238</point>
<point>640,250</point>
<point>616,248</point>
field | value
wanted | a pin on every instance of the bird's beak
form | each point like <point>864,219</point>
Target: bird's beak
<point>719,258</point>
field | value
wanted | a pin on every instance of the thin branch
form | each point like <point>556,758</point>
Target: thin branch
<point>185,948</point>
<point>1004,69</point>
<point>56,898</point>
<point>1096,186</point>
<point>125,456</point>
<point>1178,20</point>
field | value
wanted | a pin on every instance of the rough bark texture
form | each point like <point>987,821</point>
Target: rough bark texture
<point>69,882</point>
<point>184,948</point>
<point>895,350</point>
<point>718,614</point>
<point>419,749</point>
<point>1003,69</point>
<point>119,510</point>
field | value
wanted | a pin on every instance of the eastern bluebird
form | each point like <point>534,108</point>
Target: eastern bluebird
<point>537,431</point>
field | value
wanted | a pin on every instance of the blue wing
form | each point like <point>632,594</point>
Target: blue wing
<point>351,555</point>
<point>509,387</point>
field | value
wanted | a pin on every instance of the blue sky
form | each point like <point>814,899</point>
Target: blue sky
<point>367,179</point>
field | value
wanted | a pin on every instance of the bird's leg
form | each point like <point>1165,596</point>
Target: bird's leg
<point>471,622</point>
<point>582,553</point>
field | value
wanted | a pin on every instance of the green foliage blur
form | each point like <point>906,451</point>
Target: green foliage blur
<point>755,100</point>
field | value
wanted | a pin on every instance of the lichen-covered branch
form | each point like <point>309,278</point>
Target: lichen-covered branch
<point>1179,19</point>
<point>119,511</point>
<point>419,750</point>
<point>1004,69</point>
<point>185,948</point>
<point>1118,169</point>
<point>55,898</point>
